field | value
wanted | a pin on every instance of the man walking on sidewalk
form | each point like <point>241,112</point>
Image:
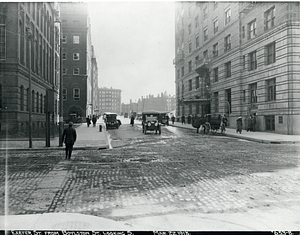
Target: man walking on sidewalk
<point>69,138</point>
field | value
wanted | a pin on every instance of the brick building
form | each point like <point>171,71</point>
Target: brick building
<point>239,58</point>
<point>29,59</point>
<point>78,58</point>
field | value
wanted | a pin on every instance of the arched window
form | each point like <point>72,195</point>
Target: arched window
<point>22,98</point>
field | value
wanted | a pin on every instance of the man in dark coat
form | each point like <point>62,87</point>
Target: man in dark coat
<point>69,137</point>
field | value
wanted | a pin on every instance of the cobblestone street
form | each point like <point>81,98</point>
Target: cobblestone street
<point>177,172</point>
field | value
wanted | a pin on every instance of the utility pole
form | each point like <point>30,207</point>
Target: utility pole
<point>29,39</point>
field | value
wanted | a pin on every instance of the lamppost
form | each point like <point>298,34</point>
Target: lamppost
<point>29,39</point>
<point>61,110</point>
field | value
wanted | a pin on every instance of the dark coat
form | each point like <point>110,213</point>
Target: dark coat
<point>69,136</point>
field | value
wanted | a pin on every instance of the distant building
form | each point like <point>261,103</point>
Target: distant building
<point>162,102</point>
<point>239,58</point>
<point>29,51</point>
<point>78,60</point>
<point>109,100</point>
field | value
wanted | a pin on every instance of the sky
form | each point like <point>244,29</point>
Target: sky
<point>134,44</point>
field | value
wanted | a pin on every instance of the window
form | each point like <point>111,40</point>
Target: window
<point>197,60</point>
<point>64,55</point>
<point>252,29</point>
<point>216,74</point>
<point>244,95</point>
<point>205,54</point>
<point>197,22</point>
<point>37,102</point>
<point>64,93</point>
<point>215,50</point>
<point>65,71</point>
<point>190,66</point>
<point>269,18</point>
<point>280,119</point>
<point>270,51</point>
<point>228,99</point>
<point>76,93</point>
<point>216,99</point>
<point>253,94</point>
<point>228,69</point>
<point>227,16</point>
<point>2,42</point>
<point>271,89</point>
<point>197,41</point>
<point>252,61</point>
<point>227,43</point>
<point>197,82</point>
<point>75,39</point>
<point>243,32</point>
<point>190,85</point>
<point>205,13</point>
<point>22,98</point>
<point>76,56</point>
<point>182,71</point>
<point>244,62</point>
<point>64,39</point>
<point>205,33</point>
<point>76,71</point>
<point>216,25</point>
<point>190,29</point>
<point>190,47</point>
<point>41,104</point>
<point>270,123</point>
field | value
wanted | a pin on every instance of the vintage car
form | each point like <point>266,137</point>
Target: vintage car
<point>150,121</point>
<point>163,118</point>
<point>111,120</point>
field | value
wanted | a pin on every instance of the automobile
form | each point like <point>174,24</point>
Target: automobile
<point>150,121</point>
<point>163,119</point>
<point>111,120</point>
<point>74,118</point>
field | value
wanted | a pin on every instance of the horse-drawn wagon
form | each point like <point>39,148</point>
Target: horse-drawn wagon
<point>209,123</point>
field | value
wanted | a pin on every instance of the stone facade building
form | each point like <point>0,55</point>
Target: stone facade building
<point>109,100</point>
<point>239,58</point>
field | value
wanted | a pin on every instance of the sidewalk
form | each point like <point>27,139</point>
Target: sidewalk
<point>261,137</point>
<point>87,138</point>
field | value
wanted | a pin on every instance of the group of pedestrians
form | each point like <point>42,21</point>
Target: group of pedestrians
<point>93,119</point>
<point>250,122</point>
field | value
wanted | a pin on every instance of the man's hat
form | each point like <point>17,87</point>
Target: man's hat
<point>70,123</point>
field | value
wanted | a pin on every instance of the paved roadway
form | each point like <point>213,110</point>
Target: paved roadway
<point>179,180</point>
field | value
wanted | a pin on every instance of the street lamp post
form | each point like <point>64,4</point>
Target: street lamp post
<point>61,110</point>
<point>29,38</point>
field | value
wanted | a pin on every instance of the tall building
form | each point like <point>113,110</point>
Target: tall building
<point>239,58</point>
<point>29,61</point>
<point>109,100</point>
<point>77,60</point>
<point>94,75</point>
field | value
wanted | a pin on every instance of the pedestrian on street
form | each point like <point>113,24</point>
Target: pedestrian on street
<point>94,120</point>
<point>173,119</point>
<point>249,123</point>
<point>167,119</point>
<point>88,121</point>
<point>182,119</point>
<point>189,119</point>
<point>69,137</point>
<point>131,120</point>
<point>239,125</point>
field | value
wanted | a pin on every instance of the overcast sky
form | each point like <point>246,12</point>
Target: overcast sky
<point>134,45</point>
